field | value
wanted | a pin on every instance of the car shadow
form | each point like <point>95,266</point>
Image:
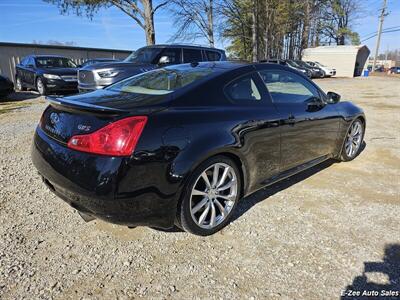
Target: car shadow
<point>248,202</point>
<point>19,96</point>
<point>362,288</point>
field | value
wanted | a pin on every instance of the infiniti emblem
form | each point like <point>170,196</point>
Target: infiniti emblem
<point>83,75</point>
<point>54,118</point>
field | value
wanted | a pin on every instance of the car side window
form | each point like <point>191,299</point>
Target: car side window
<point>174,55</point>
<point>212,55</point>
<point>31,62</point>
<point>243,89</point>
<point>288,87</point>
<point>24,61</point>
<point>191,55</point>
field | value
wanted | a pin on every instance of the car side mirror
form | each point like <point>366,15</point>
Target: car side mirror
<point>164,60</point>
<point>333,97</point>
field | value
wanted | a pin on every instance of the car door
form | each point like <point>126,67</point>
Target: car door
<point>30,72</point>
<point>258,132</point>
<point>21,69</point>
<point>309,126</point>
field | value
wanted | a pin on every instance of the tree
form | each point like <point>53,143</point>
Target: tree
<point>194,19</point>
<point>141,11</point>
<point>283,28</point>
<point>337,16</point>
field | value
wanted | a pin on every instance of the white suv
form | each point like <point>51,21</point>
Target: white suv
<point>328,71</point>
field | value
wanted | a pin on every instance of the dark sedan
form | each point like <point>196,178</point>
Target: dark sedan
<point>6,86</point>
<point>183,144</point>
<point>47,74</point>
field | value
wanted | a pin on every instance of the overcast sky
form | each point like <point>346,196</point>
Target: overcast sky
<point>27,20</point>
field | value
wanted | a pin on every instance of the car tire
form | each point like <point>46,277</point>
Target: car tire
<point>18,85</point>
<point>323,74</point>
<point>206,208</point>
<point>41,87</point>
<point>353,141</point>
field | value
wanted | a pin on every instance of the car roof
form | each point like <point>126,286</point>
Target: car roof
<point>224,66</point>
<point>91,59</point>
<point>42,55</point>
<point>184,46</point>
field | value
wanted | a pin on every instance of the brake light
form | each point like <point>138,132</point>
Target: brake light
<point>116,139</point>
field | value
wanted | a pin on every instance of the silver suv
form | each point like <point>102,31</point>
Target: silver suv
<point>99,75</point>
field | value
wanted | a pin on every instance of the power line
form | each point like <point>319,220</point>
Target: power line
<point>383,31</point>
<point>375,32</point>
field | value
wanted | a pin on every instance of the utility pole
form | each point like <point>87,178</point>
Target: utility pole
<point>378,40</point>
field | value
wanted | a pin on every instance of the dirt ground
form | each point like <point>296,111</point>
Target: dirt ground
<point>330,229</point>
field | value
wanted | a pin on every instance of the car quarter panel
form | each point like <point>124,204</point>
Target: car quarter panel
<point>348,112</point>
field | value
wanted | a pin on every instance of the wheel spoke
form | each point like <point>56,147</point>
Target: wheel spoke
<point>228,197</point>
<point>199,205</point>
<point>215,175</point>
<point>223,177</point>
<point>198,193</point>
<point>213,214</point>
<point>220,207</point>
<point>206,180</point>
<point>226,186</point>
<point>204,214</point>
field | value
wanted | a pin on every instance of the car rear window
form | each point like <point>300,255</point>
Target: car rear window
<point>161,81</point>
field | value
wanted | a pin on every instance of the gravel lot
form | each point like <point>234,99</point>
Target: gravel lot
<point>309,237</point>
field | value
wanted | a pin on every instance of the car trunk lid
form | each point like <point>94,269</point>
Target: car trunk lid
<point>82,114</point>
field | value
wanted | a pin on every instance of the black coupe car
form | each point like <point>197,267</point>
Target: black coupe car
<point>47,74</point>
<point>6,86</point>
<point>183,144</point>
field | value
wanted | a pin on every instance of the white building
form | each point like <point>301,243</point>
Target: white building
<point>348,61</point>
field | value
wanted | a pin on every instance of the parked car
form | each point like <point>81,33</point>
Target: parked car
<point>290,64</point>
<point>46,74</point>
<point>97,60</point>
<point>144,59</point>
<point>184,143</point>
<point>316,72</point>
<point>327,70</point>
<point>6,86</point>
<point>394,70</point>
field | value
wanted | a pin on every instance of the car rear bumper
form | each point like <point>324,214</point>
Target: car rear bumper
<point>103,187</point>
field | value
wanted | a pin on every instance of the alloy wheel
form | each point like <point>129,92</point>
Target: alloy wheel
<point>40,86</point>
<point>19,84</point>
<point>354,138</point>
<point>213,195</point>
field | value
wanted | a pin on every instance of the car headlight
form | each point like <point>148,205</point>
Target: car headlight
<point>108,73</point>
<point>51,76</point>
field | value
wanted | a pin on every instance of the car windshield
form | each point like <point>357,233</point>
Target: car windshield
<point>319,64</point>
<point>161,81</point>
<point>302,63</point>
<point>143,55</point>
<point>54,62</point>
<point>292,63</point>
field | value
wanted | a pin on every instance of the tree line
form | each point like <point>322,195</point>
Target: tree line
<point>254,29</point>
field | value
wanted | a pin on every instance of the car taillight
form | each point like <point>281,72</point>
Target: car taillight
<point>116,139</point>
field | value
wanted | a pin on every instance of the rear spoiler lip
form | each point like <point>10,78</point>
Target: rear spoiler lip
<point>83,106</point>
